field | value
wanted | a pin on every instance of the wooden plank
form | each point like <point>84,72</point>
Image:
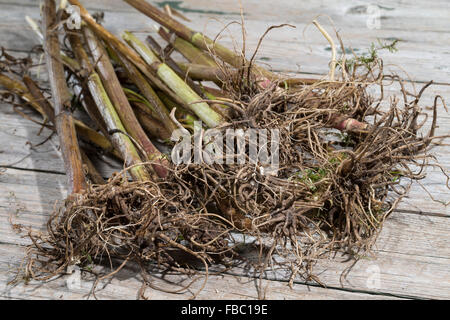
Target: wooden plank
<point>26,145</point>
<point>412,255</point>
<point>126,285</point>
<point>16,153</point>
<point>421,53</point>
<point>431,14</point>
<point>388,273</point>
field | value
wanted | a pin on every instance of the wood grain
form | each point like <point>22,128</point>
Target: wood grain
<point>412,255</point>
<point>126,286</point>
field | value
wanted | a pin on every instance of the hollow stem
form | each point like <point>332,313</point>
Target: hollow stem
<point>173,81</point>
<point>119,137</point>
<point>61,100</point>
<point>196,38</point>
<point>119,100</point>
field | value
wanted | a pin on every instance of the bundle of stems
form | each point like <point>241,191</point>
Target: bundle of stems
<point>61,100</point>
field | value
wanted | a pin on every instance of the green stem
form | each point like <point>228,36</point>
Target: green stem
<point>187,49</point>
<point>196,38</point>
<point>122,49</point>
<point>173,65</point>
<point>173,81</point>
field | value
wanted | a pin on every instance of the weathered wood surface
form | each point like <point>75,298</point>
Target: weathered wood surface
<point>422,26</point>
<point>126,285</point>
<point>412,254</point>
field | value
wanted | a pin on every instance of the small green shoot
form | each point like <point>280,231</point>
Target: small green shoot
<point>369,59</point>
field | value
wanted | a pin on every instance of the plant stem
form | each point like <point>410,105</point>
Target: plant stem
<point>201,72</point>
<point>124,50</point>
<point>19,88</point>
<point>83,131</point>
<point>75,68</point>
<point>93,174</point>
<point>173,65</point>
<point>119,138</point>
<point>187,49</point>
<point>84,96</point>
<point>61,100</point>
<point>333,48</point>
<point>48,108</point>
<point>216,92</point>
<point>344,123</point>
<point>151,124</point>
<point>39,99</point>
<point>122,106</point>
<point>147,91</point>
<point>181,112</point>
<point>173,81</point>
<point>91,136</point>
<point>196,38</point>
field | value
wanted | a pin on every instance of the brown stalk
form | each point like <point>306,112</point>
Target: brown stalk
<point>201,72</point>
<point>43,102</point>
<point>83,131</point>
<point>92,172</point>
<point>39,98</point>
<point>61,100</point>
<point>121,104</point>
<point>89,106</point>
<point>152,125</point>
<point>124,50</point>
<point>119,138</point>
<point>18,88</point>
<point>136,77</point>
